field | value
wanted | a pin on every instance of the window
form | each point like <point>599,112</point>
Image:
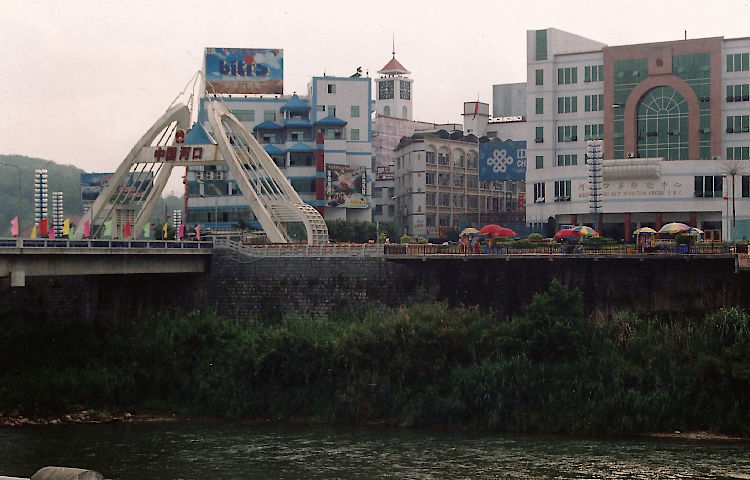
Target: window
<point>567,75</point>
<point>708,186</point>
<point>736,93</point>
<point>404,90</point>
<point>539,135</point>
<point>269,115</point>
<point>593,73</point>
<point>738,123</point>
<point>387,111</point>
<point>562,190</point>
<point>430,199</point>
<point>593,132</point>
<point>539,105</point>
<point>458,180</point>
<point>472,181</point>
<point>244,115</point>
<point>539,192</point>
<point>458,201</point>
<point>594,103</point>
<point>404,112</point>
<point>444,200</point>
<point>539,77</point>
<point>321,108</point>
<point>567,104</point>
<point>745,186</point>
<point>738,62</point>
<point>429,178</point>
<point>303,185</point>
<point>331,88</point>
<point>443,159</point>
<point>354,133</point>
<point>567,133</point>
<point>567,160</point>
<point>472,201</point>
<point>429,157</point>
<point>539,161</point>
<point>331,110</point>
<point>738,153</point>
<point>458,160</point>
<point>471,160</point>
<point>541,45</point>
<point>355,111</point>
<point>444,179</point>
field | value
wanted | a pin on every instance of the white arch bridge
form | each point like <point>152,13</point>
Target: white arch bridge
<point>135,188</point>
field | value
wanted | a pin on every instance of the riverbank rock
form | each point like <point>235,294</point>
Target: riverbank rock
<point>64,473</point>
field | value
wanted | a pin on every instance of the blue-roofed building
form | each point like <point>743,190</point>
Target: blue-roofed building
<point>336,110</point>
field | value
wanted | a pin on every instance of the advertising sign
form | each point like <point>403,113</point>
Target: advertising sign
<point>346,186</point>
<point>502,160</point>
<point>244,70</point>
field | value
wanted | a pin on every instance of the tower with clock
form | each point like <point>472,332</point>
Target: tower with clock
<point>393,90</point>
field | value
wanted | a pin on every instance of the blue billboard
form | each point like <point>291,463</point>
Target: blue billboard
<point>502,160</point>
<point>244,70</point>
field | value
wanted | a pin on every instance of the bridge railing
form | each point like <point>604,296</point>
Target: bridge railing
<point>292,250</point>
<point>98,243</point>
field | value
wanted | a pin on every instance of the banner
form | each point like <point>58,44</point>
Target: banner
<point>346,186</point>
<point>502,160</point>
<point>244,70</point>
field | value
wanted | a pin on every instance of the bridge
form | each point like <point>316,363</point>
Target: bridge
<point>24,257</point>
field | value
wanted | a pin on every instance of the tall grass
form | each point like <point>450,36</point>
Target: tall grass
<point>553,369</point>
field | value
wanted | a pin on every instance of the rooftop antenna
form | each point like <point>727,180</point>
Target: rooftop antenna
<point>685,34</point>
<point>393,52</point>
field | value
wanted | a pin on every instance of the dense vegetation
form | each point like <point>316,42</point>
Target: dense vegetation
<point>553,369</point>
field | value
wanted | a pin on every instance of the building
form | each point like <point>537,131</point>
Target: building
<point>321,142</point>
<point>673,119</point>
<point>438,188</point>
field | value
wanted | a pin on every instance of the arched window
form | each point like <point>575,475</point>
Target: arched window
<point>662,124</point>
<point>404,112</point>
<point>387,111</point>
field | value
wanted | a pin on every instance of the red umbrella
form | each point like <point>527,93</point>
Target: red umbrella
<point>567,233</point>
<point>493,230</point>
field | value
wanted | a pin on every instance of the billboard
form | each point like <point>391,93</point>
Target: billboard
<point>244,70</point>
<point>502,160</point>
<point>346,186</point>
<point>136,186</point>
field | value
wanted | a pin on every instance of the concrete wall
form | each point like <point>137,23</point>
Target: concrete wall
<point>238,287</point>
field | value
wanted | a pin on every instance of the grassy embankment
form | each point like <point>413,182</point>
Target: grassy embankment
<point>554,369</point>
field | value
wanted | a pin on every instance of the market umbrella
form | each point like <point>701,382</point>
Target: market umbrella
<point>469,231</point>
<point>695,231</point>
<point>567,233</point>
<point>645,231</point>
<point>493,230</point>
<point>585,231</point>
<point>674,228</point>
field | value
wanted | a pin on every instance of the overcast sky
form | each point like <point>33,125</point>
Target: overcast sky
<point>82,80</point>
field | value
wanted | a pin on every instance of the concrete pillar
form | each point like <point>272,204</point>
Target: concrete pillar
<point>658,222</point>
<point>628,229</point>
<point>693,219</point>
<point>574,219</point>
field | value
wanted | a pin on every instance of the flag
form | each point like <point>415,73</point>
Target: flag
<point>51,233</point>
<point>476,108</point>
<point>126,230</point>
<point>33,231</point>
<point>181,231</point>
<point>108,228</point>
<point>164,229</point>
<point>198,232</point>
<point>87,229</point>
<point>43,227</point>
<point>14,226</point>
<point>146,231</point>
<point>66,227</point>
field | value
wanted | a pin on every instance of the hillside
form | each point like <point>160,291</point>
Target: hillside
<point>60,178</point>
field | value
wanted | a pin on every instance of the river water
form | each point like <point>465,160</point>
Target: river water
<point>238,451</point>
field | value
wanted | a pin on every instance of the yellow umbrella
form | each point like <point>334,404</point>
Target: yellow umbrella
<point>645,231</point>
<point>469,231</point>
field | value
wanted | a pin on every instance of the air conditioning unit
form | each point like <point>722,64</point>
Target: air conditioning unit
<point>716,157</point>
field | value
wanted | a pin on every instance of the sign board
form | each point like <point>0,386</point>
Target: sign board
<point>244,70</point>
<point>502,160</point>
<point>346,186</point>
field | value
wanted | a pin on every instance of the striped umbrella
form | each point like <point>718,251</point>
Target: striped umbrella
<point>585,231</point>
<point>674,228</point>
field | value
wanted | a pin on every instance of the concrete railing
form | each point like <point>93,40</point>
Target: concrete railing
<point>89,243</point>
<point>292,250</point>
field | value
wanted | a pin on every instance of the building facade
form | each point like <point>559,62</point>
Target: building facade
<point>438,189</point>
<point>321,142</point>
<point>673,120</point>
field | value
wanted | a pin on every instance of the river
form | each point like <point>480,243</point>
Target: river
<point>238,451</point>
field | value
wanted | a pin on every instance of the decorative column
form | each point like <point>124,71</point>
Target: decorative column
<point>658,221</point>
<point>693,219</point>
<point>628,228</point>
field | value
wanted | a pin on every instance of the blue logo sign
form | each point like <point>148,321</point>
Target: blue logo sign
<point>500,160</point>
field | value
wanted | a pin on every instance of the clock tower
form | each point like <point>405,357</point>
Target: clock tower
<point>393,91</point>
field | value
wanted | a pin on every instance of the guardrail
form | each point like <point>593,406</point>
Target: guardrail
<point>62,243</point>
<point>292,250</point>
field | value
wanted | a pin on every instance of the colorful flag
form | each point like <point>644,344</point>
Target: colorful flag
<point>14,226</point>
<point>66,227</point>
<point>87,229</point>
<point>146,231</point>
<point>126,230</point>
<point>181,231</point>
<point>164,229</point>
<point>108,228</point>
<point>198,231</point>
<point>51,233</point>
<point>476,108</point>
<point>33,231</point>
<point>43,227</point>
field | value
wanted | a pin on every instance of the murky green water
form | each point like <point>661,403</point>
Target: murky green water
<point>231,451</point>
